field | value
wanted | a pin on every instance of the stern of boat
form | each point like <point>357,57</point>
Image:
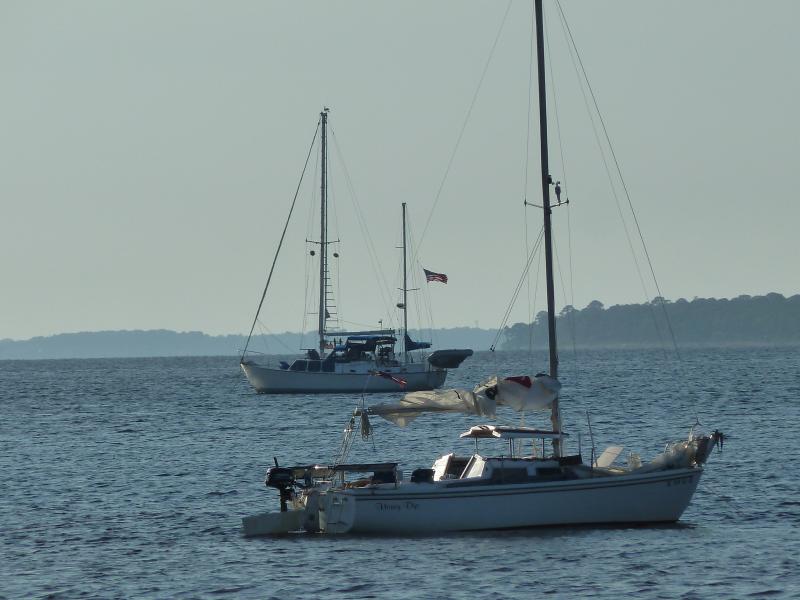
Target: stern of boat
<point>337,512</point>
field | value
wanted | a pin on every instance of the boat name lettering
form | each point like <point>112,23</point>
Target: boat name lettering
<point>398,505</point>
<point>681,481</point>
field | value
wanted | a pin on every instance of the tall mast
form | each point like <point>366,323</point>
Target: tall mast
<point>555,416</point>
<point>405,290</point>
<point>323,231</point>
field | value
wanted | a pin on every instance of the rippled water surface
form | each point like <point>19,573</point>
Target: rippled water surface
<point>128,478</point>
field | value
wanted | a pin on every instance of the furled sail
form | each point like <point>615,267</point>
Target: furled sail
<point>523,394</point>
<point>416,403</point>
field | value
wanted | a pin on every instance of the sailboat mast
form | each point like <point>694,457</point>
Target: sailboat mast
<point>323,231</point>
<point>405,290</point>
<point>555,416</point>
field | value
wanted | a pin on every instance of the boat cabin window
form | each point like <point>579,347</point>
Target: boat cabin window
<point>510,474</point>
<point>328,365</point>
<point>384,477</point>
<point>298,365</point>
<point>313,366</point>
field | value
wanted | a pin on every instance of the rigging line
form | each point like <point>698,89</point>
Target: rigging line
<point>385,290</point>
<point>527,164</point>
<point>567,292</point>
<point>424,297</point>
<point>423,313</point>
<point>274,336</point>
<point>609,176</point>
<point>564,295</point>
<point>514,296</point>
<point>531,313</point>
<point>417,298</point>
<point>338,285</point>
<point>398,292</point>
<point>536,291</point>
<point>312,210</point>
<point>527,251</point>
<point>571,291</point>
<point>530,91</point>
<point>361,325</point>
<point>307,263</point>
<point>280,243</point>
<point>347,442</point>
<point>463,129</point>
<point>678,365</point>
<point>419,311</point>
<point>574,49</point>
<point>555,110</point>
<point>327,292</point>
<point>536,246</point>
<point>335,302</point>
<point>624,186</point>
<point>332,300</point>
<point>566,193</point>
<point>531,309</point>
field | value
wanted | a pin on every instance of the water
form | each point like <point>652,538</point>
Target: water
<point>128,478</point>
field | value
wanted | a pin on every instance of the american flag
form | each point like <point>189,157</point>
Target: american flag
<point>431,276</point>
<point>385,375</point>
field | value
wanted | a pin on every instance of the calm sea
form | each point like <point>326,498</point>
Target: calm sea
<point>128,479</point>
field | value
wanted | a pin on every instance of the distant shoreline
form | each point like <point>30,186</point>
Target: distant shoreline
<point>537,350</point>
<point>167,343</point>
<point>747,321</point>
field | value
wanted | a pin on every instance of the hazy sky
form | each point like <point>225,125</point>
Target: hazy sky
<point>149,152</point>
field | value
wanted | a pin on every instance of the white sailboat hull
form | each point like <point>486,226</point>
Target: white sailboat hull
<point>442,506</point>
<point>267,380</point>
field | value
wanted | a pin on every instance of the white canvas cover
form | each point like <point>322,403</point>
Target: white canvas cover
<point>523,394</point>
<point>416,403</point>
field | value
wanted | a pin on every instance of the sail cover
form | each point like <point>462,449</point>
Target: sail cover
<point>522,393</point>
<point>416,403</point>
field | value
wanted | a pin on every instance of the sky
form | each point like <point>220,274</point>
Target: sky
<point>150,151</point>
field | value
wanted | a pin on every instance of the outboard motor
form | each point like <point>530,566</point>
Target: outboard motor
<point>283,480</point>
<point>422,476</point>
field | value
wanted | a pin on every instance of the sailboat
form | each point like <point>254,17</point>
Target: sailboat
<point>351,361</point>
<point>524,484</point>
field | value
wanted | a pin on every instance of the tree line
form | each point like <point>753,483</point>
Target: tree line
<point>769,319</point>
<point>164,342</point>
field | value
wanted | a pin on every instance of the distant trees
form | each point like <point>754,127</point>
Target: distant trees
<point>162,342</point>
<point>769,319</point>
